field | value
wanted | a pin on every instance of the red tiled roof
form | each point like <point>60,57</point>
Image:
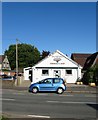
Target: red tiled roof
<point>91,61</point>
<point>80,58</point>
<point>81,55</point>
<point>1,58</point>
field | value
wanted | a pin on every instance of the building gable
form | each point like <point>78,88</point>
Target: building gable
<point>57,59</point>
<point>1,58</point>
<point>4,63</point>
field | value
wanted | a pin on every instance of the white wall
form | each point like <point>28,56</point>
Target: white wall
<point>37,75</point>
<point>26,73</point>
<point>51,64</point>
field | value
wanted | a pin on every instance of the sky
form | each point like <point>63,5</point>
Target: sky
<point>66,26</point>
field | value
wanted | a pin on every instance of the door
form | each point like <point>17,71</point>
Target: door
<point>30,75</point>
<point>46,85</point>
<point>57,73</point>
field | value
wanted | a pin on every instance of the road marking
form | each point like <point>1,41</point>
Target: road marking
<point>6,99</point>
<point>43,94</point>
<point>71,102</point>
<point>22,93</point>
<point>66,95</point>
<point>53,101</point>
<point>19,93</point>
<point>38,116</point>
<point>90,95</point>
<point>80,102</point>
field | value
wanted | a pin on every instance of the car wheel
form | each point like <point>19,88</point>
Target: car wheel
<point>60,90</point>
<point>35,90</point>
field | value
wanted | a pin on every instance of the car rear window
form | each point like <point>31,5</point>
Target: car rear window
<point>56,80</point>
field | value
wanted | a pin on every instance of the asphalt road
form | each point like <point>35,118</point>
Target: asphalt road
<point>22,104</point>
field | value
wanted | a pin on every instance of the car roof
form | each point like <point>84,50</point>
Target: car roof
<point>53,78</point>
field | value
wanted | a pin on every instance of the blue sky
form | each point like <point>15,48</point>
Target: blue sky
<point>66,26</point>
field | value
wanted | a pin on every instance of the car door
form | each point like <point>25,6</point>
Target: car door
<point>56,83</point>
<point>46,85</point>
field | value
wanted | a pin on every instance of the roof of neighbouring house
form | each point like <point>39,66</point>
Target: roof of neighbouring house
<point>80,58</point>
<point>91,61</point>
<point>1,58</point>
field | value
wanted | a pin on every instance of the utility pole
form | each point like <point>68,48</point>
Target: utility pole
<point>16,62</point>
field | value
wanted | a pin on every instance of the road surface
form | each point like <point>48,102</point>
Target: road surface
<point>22,104</point>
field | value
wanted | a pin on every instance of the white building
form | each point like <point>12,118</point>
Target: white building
<point>54,65</point>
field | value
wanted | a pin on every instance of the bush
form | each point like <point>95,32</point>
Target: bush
<point>3,118</point>
<point>91,75</point>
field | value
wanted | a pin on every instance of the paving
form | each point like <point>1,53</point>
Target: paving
<point>81,88</point>
<point>70,88</point>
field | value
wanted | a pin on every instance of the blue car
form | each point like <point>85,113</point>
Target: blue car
<point>49,84</point>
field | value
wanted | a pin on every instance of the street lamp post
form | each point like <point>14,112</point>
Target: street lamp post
<point>16,61</point>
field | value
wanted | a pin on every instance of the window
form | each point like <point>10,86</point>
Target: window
<point>45,72</point>
<point>57,73</point>
<point>56,80</point>
<point>69,72</point>
<point>47,81</point>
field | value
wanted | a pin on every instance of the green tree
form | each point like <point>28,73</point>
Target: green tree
<point>44,54</point>
<point>28,55</point>
<point>91,75</point>
<point>96,74</point>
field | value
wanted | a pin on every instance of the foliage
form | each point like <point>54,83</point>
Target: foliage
<point>91,75</point>
<point>78,79</point>
<point>44,54</point>
<point>96,74</point>
<point>11,55</point>
<point>28,55</point>
<point>3,118</point>
<point>5,70</point>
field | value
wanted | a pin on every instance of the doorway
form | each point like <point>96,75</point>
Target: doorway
<point>30,75</point>
<point>57,73</point>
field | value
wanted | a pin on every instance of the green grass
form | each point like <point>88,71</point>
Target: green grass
<point>3,118</point>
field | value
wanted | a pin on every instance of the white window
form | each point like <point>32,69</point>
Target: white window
<point>45,72</point>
